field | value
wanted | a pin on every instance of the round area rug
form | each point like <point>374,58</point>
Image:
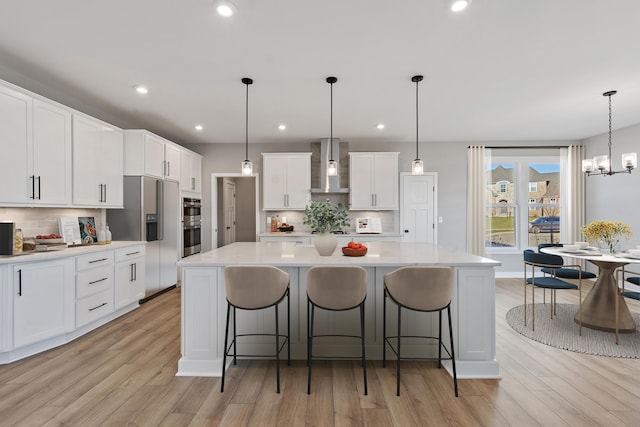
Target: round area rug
<point>562,332</point>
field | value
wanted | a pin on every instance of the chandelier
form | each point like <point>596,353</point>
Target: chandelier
<point>601,165</point>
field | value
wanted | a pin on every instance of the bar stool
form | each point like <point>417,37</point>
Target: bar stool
<point>425,289</point>
<point>335,289</point>
<point>255,287</point>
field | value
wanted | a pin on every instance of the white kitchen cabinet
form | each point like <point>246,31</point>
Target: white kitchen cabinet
<point>94,286</point>
<point>147,154</point>
<point>190,171</point>
<point>97,163</point>
<point>15,137</point>
<point>35,138</point>
<point>43,300</point>
<point>287,181</point>
<point>129,276</point>
<point>374,181</point>
<point>51,171</point>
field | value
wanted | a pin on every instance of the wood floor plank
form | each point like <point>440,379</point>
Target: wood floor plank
<point>123,373</point>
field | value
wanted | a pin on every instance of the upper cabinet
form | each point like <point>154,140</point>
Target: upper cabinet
<point>97,163</point>
<point>286,181</point>
<point>147,154</point>
<point>374,181</point>
<point>190,171</point>
<point>35,138</point>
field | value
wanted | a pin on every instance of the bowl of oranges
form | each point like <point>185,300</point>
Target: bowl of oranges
<point>354,249</point>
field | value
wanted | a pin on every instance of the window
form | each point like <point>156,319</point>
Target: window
<point>522,189</point>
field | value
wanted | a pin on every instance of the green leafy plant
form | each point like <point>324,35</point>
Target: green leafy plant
<point>325,217</point>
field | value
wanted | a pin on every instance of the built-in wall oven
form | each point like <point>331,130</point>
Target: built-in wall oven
<point>191,226</point>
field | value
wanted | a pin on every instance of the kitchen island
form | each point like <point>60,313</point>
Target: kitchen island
<point>204,304</point>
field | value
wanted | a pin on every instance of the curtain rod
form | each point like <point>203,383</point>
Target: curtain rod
<point>521,146</point>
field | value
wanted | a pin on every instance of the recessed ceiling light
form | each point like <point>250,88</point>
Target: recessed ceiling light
<point>459,5</point>
<point>225,8</point>
<point>282,126</point>
<point>380,126</point>
<point>141,89</point>
<point>199,127</point>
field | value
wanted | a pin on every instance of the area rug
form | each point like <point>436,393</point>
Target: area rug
<point>562,332</point>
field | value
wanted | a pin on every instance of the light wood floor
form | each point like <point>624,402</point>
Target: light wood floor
<point>123,374</point>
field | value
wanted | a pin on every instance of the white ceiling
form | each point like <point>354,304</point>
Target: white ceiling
<point>501,70</point>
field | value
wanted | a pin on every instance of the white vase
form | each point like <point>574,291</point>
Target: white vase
<point>325,243</point>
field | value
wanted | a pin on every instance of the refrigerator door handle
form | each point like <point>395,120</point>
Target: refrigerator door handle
<point>160,208</point>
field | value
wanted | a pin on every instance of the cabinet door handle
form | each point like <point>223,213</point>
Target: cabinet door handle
<point>20,282</point>
<point>98,281</point>
<point>133,253</point>
<point>33,186</point>
<point>39,193</point>
<point>100,189</point>
<point>168,168</point>
<point>97,260</point>
<point>105,193</point>
<point>98,306</point>
<point>135,271</point>
<point>131,272</point>
<point>193,183</point>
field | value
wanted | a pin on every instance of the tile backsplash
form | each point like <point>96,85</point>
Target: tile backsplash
<point>34,221</point>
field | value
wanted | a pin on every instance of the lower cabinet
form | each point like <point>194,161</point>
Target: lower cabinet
<point>94,286</point>
<point>47,303</point>
<point>129,276</point>
<point>43,300</point>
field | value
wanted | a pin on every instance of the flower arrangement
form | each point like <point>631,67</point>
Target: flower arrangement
<point>608,232</point>
<point>324,217</point>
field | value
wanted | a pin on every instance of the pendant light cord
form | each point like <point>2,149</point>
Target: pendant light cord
<point>331,81</point>
<point>610,164</point>
<point>246,125</point>
<point>417,156</point>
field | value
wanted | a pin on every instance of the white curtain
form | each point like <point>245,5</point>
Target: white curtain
<point>575,205</point>
<point>477,159</point>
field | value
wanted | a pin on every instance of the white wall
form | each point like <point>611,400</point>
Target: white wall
<point>616,197</point>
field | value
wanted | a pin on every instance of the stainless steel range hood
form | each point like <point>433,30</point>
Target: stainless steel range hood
<point>329,184</point>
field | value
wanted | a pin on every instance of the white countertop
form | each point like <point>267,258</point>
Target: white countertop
<point>32,256</point>
<point>309,234</point>
<point>379,254</point>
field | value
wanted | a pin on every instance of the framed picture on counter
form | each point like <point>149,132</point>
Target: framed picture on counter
<point>88,233</point>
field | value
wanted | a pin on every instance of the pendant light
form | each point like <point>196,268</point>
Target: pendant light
<point>417,167</point>
<point>603,163</point>
<point>332,165</point>
<point>247,166</point>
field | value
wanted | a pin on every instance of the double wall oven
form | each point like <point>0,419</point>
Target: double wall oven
<point>191,226</point>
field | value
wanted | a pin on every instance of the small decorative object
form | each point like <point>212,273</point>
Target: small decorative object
<point>88,232</point>
<point>102,236</point>
<point>606,234</point>
<point>108,234</point>
<point>325,218</point>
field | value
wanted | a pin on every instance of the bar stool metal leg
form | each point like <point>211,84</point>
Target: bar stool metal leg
<point>453,354</point>
<point>224,355</point>
<point>398,356</point>
<point>310,347</point>
<point>364,361</point>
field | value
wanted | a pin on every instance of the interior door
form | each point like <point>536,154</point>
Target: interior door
<point>418,208</point>
<point>229,209</point>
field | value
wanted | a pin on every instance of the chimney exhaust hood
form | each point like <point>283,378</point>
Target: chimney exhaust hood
<point>329,184</point>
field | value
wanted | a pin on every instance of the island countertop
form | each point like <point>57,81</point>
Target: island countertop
<point>379,254</point>
<point>204,303</point>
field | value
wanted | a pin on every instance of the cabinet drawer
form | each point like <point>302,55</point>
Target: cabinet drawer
<point>129,253</point>
<point>92,281</point>
<point>94,307</point>
<point>98,259</point>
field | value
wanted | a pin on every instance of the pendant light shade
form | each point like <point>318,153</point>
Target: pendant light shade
<point>602,165</point>
<point>247,166</point>
<point>417,166</point>
<point>332,165</point>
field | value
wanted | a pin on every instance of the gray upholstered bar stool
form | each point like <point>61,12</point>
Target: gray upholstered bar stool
<point>336,288</point>
<point>426,289</point>
<point>255,287</point>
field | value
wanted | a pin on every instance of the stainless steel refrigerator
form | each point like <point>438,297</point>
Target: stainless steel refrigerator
<point>151,213</point>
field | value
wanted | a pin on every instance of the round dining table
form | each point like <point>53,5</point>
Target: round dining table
<point>598,307</point>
